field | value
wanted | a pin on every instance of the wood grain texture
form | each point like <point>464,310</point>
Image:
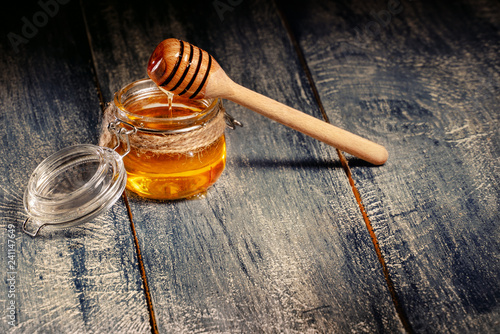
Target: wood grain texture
<point>279,244</point>
<point>80,280</point>
<point>428,83</point>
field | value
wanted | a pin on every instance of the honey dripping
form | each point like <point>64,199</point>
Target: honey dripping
<point>170,97</point>
<point>172,175</point>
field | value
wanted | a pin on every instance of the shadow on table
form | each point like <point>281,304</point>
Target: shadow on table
<point>307,163</point>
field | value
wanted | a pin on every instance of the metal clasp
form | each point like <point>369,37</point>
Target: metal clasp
<point>31,234</point>
<point>231,122</point>
<point>121,135</point>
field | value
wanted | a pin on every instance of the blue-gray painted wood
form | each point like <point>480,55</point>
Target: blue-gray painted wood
<point>427,84</point>
<point>279,244</point>
<point>84,279</point>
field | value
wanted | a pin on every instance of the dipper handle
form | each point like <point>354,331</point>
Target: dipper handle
<point>309,125</point>
<point>182,68</point>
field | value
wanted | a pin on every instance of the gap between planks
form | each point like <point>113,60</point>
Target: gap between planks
<point>390,285</point>
<point>142,269</point>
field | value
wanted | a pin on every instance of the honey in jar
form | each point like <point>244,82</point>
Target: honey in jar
<point>178,147</point>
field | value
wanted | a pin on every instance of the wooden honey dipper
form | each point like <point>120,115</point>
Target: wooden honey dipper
<point>184,69</point>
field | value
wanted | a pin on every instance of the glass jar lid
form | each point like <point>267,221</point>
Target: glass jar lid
<point>73,186</point>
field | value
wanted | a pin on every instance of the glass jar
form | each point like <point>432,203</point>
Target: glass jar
<point>157,146</point>
<point>178,148</point>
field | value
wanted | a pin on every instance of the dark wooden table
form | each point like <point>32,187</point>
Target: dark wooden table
<point>293,238</point>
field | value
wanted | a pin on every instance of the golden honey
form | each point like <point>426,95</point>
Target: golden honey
<point>179,149</point>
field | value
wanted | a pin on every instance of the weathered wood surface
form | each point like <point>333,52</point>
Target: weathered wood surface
<point>427,81</point>
<point>83,279</point>
<point>279,244</point>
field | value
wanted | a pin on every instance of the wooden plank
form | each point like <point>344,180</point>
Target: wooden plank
<point>279,244</point>
<point>426,86</point>
<point>83,279</point>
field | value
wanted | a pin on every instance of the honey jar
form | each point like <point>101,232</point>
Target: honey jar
<point>177,149</point>
<point>156,145</point>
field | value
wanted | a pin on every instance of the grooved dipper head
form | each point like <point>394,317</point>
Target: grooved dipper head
<point>181,68</point>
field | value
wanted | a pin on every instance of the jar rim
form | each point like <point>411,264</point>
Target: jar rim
<point>146,87</point>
